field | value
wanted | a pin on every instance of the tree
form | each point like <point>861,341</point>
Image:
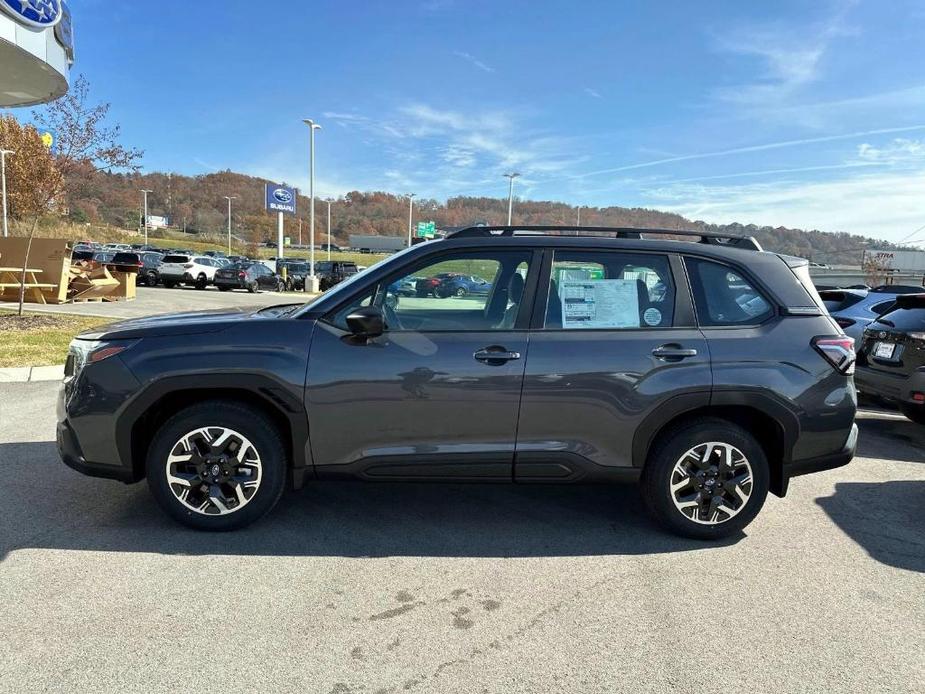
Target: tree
<point>84,139</point>
<point>33,180</point>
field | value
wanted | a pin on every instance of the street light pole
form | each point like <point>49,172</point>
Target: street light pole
<point>3,153</point>
<point>145,194</point>
<point>510,196</point>
<point>410,215</point>
<point>229,198</point>
<point>579,215</point>
<point>329,228</point>
<point>313,126</point>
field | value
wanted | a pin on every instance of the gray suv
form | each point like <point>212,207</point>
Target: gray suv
<point>698,365</point>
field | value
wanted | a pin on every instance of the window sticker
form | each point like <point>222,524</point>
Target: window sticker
<point>599,304</point>
<point>652,316</point>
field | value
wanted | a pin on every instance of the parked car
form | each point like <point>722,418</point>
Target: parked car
<point>249,276</point>
<point>427,286</point>
<point>214,254</point>
<point>296,272</point>
<point>176,269</point>
<point>149,275</point>
<point>891,359</point>
<point>117,247</point>
<point>854,309</point>
<point>333,272</point>
<point>125,261</point>
<point>707,399</point>
<point>462,286</point>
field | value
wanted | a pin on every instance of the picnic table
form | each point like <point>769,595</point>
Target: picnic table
<point>11,278</point>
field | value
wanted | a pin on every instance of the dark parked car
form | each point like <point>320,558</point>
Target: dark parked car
<point>249,276</point>
<point>296,272</point>
<point>333,272</point>
<point>891,359</point>
<point>724,384</point>
<point>462,285</point>
<point>145,264</point>
<point>427,286</point>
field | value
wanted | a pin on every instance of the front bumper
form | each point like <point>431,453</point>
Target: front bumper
<point>897,387</point>
<point>72,456</point>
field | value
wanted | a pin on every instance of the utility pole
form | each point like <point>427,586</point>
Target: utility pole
<point>410,215</point>
<point>3,153</point>
<point>229,198</point>
<point>329,228</point>
<point>510,196</point>
<point>311,282</point>
<point>145,194</point>
<point>579,215</point>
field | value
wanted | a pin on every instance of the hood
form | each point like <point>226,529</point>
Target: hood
<point>187,323</point>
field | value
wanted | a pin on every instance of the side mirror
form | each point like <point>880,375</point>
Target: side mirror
<point>366,322</point>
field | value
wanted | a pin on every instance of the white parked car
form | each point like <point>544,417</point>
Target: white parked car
<point>195,270</point>
<point>117,247</point>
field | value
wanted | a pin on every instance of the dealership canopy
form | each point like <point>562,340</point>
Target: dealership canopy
<point>36,51</point>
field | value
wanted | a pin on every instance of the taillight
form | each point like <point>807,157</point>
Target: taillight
<point>838,351</point>
<point>242,274</point>
<point>845,322</point>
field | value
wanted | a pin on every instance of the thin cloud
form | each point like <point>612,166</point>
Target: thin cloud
<point>899,151</point>
<point>752,148</point>
<point>593,92</point>
<point>469,58</point>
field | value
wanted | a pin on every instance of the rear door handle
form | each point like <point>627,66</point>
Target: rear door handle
<point>673,352</point>
<point>495,355</point>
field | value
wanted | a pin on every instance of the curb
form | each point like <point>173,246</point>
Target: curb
<point>32,374</point>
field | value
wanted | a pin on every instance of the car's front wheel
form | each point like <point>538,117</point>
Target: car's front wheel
<point>217,465</point>
<point>706,479</point>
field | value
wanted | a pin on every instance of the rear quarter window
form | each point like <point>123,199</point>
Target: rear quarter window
<point>723,297</point>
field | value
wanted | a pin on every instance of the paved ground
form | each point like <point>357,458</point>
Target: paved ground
<point>156,300</point>
<point>449,588</point>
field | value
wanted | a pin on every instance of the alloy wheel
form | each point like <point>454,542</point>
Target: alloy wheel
<point>214,470</point>
<point>711,483</point>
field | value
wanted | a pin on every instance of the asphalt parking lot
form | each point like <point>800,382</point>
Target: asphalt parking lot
<point>351,587</point>
<point>155,300</point>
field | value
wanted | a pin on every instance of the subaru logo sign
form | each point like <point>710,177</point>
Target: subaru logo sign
<point>43,14</point>
<point>280,198</point>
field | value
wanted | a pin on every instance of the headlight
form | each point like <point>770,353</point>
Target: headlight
<point>83,352</point>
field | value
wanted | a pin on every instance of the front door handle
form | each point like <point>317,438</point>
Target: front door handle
<point>673,352</point>
<point>495,355</point>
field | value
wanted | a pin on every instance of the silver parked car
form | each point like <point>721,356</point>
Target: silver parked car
<point>855,309</point>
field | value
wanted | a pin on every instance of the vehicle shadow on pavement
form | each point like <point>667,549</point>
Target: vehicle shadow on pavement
<point>885,518</point>
<point>49,506</point>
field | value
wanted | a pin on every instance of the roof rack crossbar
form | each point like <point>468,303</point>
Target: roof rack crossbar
<point>707,237</point>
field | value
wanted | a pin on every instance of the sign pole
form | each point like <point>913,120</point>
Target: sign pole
<point>279,235</point>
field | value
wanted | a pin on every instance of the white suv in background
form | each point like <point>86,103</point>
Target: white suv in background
<point>187,269</point>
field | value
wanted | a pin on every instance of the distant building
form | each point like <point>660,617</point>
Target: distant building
<point>377,244</point>
<point>36,51</point>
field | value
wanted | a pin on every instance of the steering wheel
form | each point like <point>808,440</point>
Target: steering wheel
<point>391,318</point>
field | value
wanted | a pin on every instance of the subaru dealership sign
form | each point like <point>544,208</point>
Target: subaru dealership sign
<point>280,198</point>
<point>36,51</point>
<point>43,14</point>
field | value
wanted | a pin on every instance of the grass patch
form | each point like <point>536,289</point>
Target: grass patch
<point>39,339</point>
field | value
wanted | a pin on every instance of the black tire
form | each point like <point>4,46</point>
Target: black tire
<point>223,288</point>
<point>201,282</point>
<point>252,287</point>
<point>915,413</point>
<point>151,279</point>
<point>461,291</point>
<point>250,422</point>
<point>659,470</point>
<point>280,286</point>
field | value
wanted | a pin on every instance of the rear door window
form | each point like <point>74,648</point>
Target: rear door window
<point>606,290</point>
<point>905,319</point>
<point>176,259</point>
<point>722,296</point>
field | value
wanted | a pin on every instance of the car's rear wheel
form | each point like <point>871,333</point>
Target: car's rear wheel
<point>914,412</point>
<point>201,282</point>
<point>218,465</point>
<point>461,291</point>
<point>705,479</point>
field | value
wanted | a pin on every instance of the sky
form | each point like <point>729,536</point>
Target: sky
<point>801,114</point>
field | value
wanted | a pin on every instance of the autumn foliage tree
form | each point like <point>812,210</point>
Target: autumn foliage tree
<point>33,180</point>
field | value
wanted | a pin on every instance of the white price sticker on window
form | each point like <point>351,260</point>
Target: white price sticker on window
<point>600,304</point>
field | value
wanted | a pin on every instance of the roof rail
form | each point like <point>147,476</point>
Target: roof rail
<point>708,237</point>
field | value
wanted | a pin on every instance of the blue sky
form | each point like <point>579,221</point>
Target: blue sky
<point>785,113</point>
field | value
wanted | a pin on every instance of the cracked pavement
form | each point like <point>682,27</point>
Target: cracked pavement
<point>366,588</point>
